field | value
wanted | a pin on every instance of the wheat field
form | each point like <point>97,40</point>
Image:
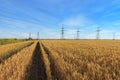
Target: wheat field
<point>85,60</point>
<point>63,60</point>
<point>5,48</point>
<point>14,68</point>
<point>8,50</point>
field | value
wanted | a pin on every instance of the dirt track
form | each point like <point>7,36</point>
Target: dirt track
<point>36,70</point>
<point>42,65</point>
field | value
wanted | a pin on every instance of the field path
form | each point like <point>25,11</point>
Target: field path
<point>37,69</point>
<point>52,67</point>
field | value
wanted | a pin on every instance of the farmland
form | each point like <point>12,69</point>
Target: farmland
<point>9,49</point>
<point>8,41</point>
<point>63,60</point>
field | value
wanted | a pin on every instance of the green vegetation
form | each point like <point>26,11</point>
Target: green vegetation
<point>8,41</point>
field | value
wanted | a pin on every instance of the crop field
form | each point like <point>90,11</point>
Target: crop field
<point>84,60</point>
<point>61,60</point>
<point>8,41</point>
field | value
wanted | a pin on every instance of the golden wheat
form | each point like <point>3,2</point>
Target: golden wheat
<point>85,59</point>
<point>5,48</point>
<point>15,67</point>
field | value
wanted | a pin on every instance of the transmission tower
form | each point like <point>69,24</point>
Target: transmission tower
<point>113,35</point>
<point>62,32</point>
<point>98,33</point>
<point>78,34</point>
<point>38,35</point>
<point>30,35</point>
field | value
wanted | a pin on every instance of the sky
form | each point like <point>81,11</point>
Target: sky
<point>19,17</point>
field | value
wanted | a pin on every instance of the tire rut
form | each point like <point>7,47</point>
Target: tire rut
<point>54,73</point>
<point>36,69</point>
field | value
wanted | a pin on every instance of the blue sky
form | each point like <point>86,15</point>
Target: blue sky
<point>19,17</point>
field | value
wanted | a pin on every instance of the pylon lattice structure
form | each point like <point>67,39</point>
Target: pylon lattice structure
<point>78,34</point>
<point>98,33</point>
<point>62,32</point>
<point>37,35</point>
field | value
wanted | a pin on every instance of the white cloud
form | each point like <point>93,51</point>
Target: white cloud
<point>78,20</point>
<point>19,24</point>
<point>13,35</point>
<point>20,29</point>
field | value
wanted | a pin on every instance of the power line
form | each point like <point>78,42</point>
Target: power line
<point>98,33</point>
